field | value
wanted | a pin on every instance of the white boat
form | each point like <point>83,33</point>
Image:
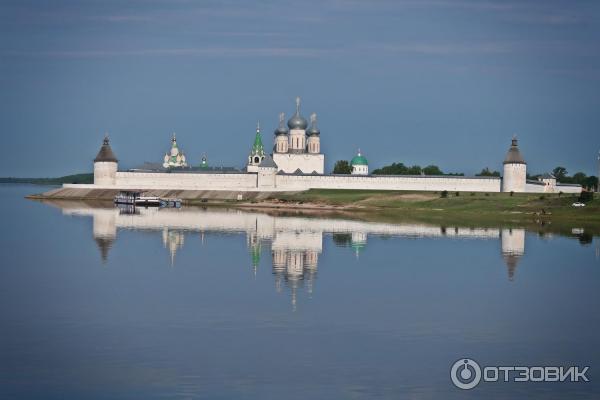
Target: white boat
<point>139,199</point>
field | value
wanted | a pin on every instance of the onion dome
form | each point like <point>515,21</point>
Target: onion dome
<point>313,130</point>
<point>281,129</point>
<point>297,121</point>
<point>105,154</point>
<point>359,159</point>
<point>513,156</point>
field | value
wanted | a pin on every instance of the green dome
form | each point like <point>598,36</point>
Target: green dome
<point>359,159</point>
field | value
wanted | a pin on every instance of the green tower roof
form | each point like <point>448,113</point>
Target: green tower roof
<point>257,147</point>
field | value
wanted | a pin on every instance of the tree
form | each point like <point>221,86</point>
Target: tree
<point>342,167</point>
<point>591,182</point>
<point>394,169</point>
<point>559,173</point>
<point>579,178</point>
<point>414,170</point>
<point>486,172</point>
<point>432,170</point>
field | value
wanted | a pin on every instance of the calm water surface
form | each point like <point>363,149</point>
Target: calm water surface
<point>193,303</point>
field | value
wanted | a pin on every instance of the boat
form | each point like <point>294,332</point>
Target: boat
<point>135,198</point>
<point>127,197</point>
<point>170,203</point>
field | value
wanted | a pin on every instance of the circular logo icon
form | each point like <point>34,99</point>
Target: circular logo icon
<point>465,373</point>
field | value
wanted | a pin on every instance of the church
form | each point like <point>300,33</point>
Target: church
<point>297,148</point>
<point>296,163</point>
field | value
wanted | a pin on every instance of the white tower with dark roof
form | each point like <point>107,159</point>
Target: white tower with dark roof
<point>515,169</point>
<point>105,165</point>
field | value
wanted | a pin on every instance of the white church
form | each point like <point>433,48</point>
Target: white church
<point>296,163</point>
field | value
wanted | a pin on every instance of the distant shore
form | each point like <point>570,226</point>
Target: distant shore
<point>76,178</point>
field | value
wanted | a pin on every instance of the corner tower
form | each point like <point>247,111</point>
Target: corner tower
<point>515,169</point>
<point>105,165</point>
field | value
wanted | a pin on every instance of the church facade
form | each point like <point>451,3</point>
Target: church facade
<point>296,163</point>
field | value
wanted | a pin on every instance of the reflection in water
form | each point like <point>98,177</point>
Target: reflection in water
<point>513,248</point>
<point>295,242</point>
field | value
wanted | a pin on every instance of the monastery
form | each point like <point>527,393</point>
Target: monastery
<point>297,163</point>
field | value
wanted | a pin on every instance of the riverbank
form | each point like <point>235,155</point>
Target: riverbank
<point>471,209</point>
<point>464,207</point>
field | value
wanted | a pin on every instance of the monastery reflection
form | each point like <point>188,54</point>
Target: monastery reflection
<point>295,242</point>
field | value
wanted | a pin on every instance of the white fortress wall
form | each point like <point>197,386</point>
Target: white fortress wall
<point>539,188</point>
<point>567,189</point>
<point>425,183</point>
<point>183,181</point>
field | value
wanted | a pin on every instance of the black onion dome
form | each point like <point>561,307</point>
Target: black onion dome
<point>105,154</point>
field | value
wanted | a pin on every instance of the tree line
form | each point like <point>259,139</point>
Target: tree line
<point>344,167</point>
<point>560,173</point>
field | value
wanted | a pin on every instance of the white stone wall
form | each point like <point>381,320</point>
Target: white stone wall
<point>424,183</point>
<point>514,178</point>
<point>205,181</point>
<point>266,178</point>
<point>105,173</point>
<point>307,163</point>
<point>536,188</point>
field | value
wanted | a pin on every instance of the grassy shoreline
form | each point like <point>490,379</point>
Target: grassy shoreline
<point>467,208</point>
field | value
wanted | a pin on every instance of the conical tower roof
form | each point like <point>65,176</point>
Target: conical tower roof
<point>257,147</point>
<point>513,156</point>
<point>105,154</point>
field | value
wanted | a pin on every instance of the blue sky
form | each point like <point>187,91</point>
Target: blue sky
<point>432,81</point>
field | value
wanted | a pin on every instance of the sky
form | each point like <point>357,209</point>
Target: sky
<point>420,82</point>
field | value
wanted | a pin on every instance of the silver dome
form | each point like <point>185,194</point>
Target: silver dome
<point>297,121</point>
<point>314,129</point>
<point>281,129</point>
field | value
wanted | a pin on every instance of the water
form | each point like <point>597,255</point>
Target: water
<point>216,303</point>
